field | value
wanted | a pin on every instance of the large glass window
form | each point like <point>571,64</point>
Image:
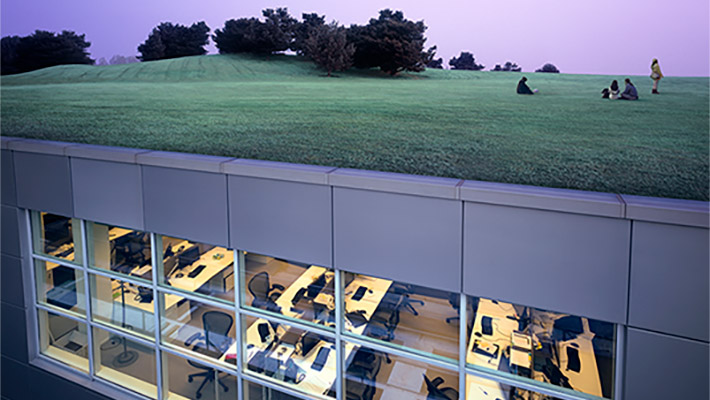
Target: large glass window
<point>121,250</point>
<point>564,350</point>
<point>399,340</point>
<point>60,286</point>
<point>303,359</point>
<point>410,316</point>
<point>197,267</point>
<point>371,374</point>
<point>63,339</point>
<point>293,290</point>
<point>56,236</point>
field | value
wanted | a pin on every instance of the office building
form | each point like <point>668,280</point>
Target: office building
<point>130,273</point>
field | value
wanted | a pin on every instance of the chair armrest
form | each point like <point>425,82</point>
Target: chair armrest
<point>192,338</point>
<point>277,286</point>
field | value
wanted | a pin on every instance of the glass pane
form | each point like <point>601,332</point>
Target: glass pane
<point>56,236</point>
<point>121,250</point>
<point>185,379</point>
<point>564,350</point>
<point>480,388</point>
<point>411,316</point>
<point>370,374</point>
<point>304,360</point>
<point>199,328</point>
<point>125,362</point>
<point>124,305</point>
<point>253,391</point>
<point>197,267</point>
<point>60,286</point>
<point>291,289</point>
<point>63,339</point>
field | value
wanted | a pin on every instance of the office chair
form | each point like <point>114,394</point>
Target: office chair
<point>214,342</point>
<point>567,328</point>
<point>454,301</point>
<point>438,393</point>
<point>406,302</point>
<point>264,293</point>
<point>362,373</point>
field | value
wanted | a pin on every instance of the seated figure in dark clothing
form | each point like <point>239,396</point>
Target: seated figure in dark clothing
<point>630,92</point>
<point>523,87</point>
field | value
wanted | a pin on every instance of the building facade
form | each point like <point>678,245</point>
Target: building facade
<point>129,273</point>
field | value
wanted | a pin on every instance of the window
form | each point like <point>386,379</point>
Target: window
<point>171,318</point>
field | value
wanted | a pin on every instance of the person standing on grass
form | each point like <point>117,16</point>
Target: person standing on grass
<point>656,75</point>
<point>523,87</point>
<point>630,92</point>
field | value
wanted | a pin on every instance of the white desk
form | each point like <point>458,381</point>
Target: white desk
<point>213,266</point>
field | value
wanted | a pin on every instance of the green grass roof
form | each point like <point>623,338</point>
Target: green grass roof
<point>459,124</point>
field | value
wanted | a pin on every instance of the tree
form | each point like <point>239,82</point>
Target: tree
<point>119,59</point>
<point>328,46</point>
<point>390,42</point>
<point>169,40</point>
<point>508,66</point>
<point>438,63</point>
<point>548,68</point>
<point>303,30</point>
<point>249,35</point>
<point>43,49</point>
<point>465,61</point>
<point>9,45</point>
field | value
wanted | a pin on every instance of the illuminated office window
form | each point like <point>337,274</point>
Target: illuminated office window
<point>407,315</point>
<point>371,374</point>
<point>56,236</point>
<point>187,379</point>
<point>480,388</point>
<point>305,360</point>
<point>196,267</point>
<point>253,391</point>
<point>124,305</point>
<point>204,330</point>
<point>60,286</point>
<point>125,362</point>
<point>120,250</point>
<point>293,290</point>
<point>63,339</point>
<point>561,349</point>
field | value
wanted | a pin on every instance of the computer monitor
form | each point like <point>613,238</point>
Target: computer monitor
<point>189,256</point>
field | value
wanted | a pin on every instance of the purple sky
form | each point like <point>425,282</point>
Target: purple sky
<point>618,37</point>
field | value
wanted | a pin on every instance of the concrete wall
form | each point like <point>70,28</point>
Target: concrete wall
<point>635,261</point>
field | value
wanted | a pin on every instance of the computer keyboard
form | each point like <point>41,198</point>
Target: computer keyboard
<point>196,271</point>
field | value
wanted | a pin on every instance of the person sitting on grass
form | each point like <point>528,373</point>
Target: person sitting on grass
<point>614,90</point>
<point>523,87</point>
<point>630,92</point>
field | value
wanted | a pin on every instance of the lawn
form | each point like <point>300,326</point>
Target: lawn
<point>460,124</point>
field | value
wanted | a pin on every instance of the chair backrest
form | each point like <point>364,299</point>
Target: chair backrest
<point>259,285</point>
<point>217,325</point>
<point>433,388</point>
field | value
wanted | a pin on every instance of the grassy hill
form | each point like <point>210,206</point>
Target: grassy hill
<point>458,124</point>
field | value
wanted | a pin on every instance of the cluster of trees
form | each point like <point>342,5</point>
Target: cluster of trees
<point>117,59</point>
<point>42,49</point>
<point>169,40</point>
<point>467,61</point>
<point>390,42</point>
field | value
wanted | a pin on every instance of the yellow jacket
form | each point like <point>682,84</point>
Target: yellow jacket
<point>656,70</point>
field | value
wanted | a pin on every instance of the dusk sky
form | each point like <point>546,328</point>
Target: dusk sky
<point>616,37</point>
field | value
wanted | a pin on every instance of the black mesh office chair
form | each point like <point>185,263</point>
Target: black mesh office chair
<point>439,393</point>
<point>214,342</point>
<point>454,301</point>
<point>362,373</point>
<point>264,293</point>
<point>406,303</point>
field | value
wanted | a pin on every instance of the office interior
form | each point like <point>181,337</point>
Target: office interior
<point>196,312</point>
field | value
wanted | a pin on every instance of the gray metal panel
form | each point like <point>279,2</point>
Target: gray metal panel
<point>665,367</point>
<point>9,196</point>
<point>13,329</point>
<point>417,185</point>
<point>49,386</point>
<point>570,263</point>
<point>104,153</point>
<point>194,162</point>
<point>669,279</point>
<point>401,237</point>
<point>108,192</point>
<point>43,182</point>
<point>186,204</point>
<point>303,173</point>
<point>669,211</point>
<point>15,379</point>
<point>10,231</point>
<point>11,281</point>
<point>284,219</point>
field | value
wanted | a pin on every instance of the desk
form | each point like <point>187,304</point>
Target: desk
<point>315,381</point>
<point>213,266</point>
